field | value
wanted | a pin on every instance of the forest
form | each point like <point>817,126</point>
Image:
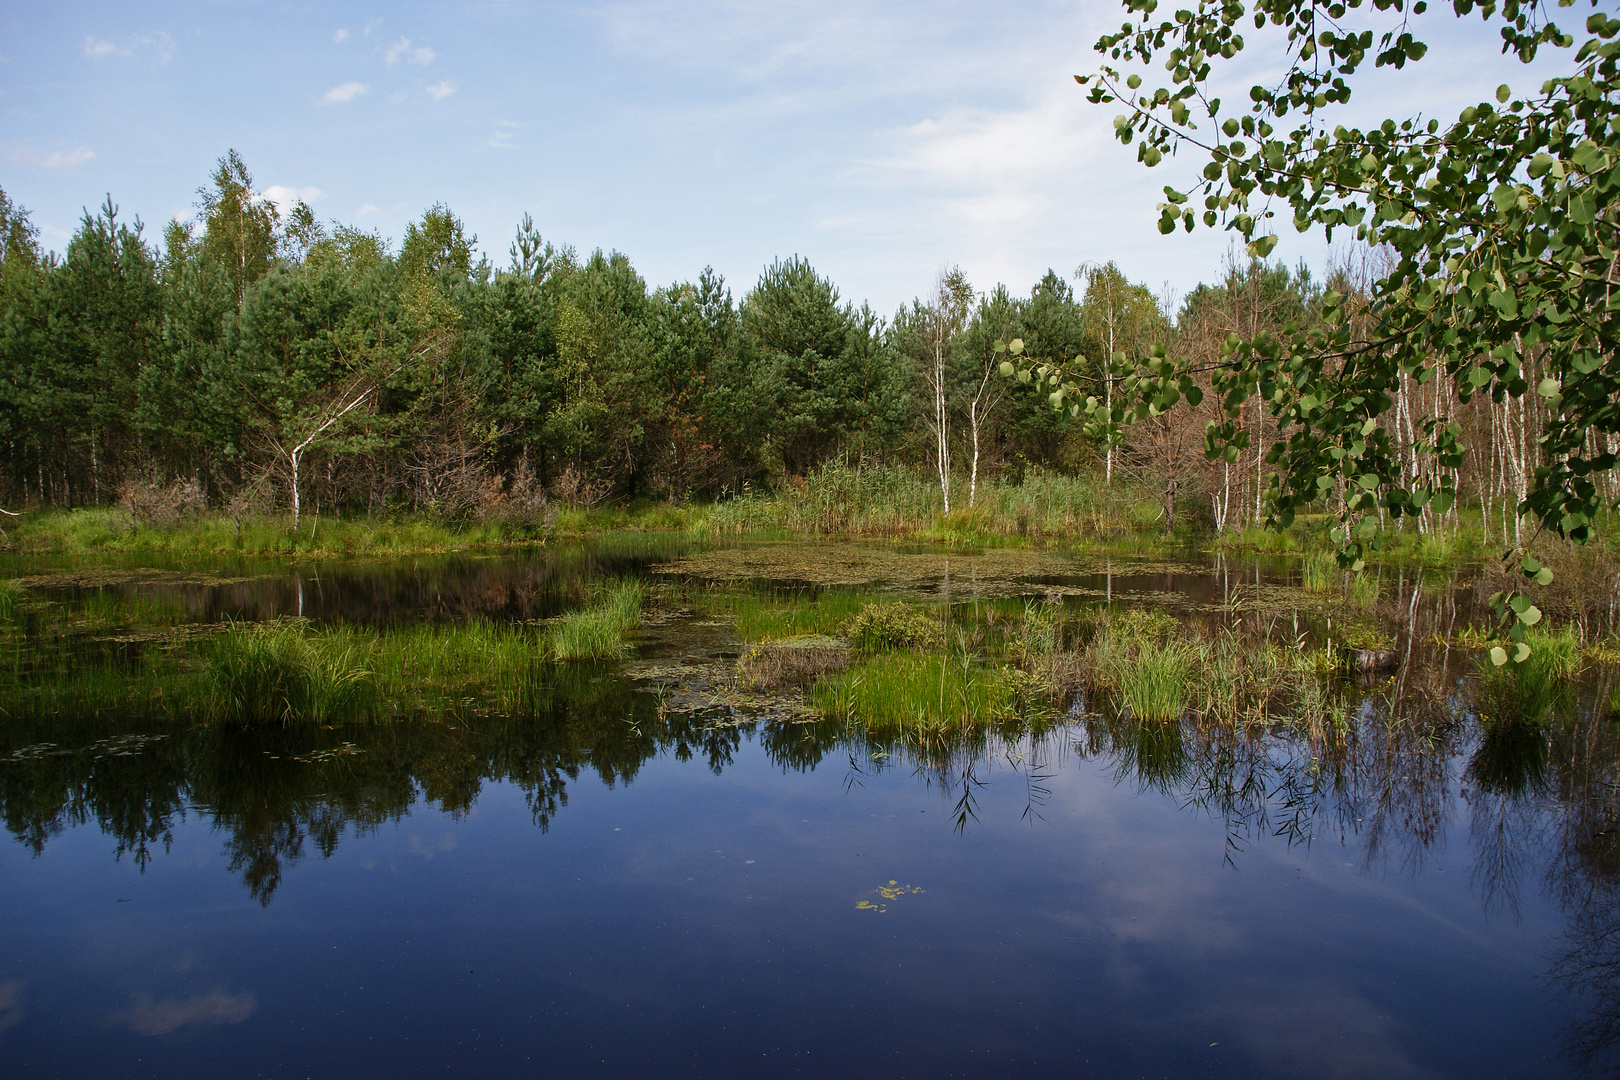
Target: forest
<point>255,362</point>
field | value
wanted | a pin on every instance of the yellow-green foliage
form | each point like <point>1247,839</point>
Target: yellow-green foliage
<point>891,625</point>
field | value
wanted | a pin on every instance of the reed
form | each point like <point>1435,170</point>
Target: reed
<point>1319,572</point>
<point>1154,686</point>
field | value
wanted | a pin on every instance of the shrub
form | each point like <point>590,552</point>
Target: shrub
<point>892,625</point>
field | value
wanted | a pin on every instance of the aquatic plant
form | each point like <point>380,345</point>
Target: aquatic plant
<point>1364,589</point>
<point>1154,685</point>
<point>275,673</point>
<point>1319,572</point>
<point>891,625</point>
<point>907,689</point>
<point>762,616</point>
<point>1534,691</point>
<point>11,591</point>
<point>596,631</point>
<point>788,662</point>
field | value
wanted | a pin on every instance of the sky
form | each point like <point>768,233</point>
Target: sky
<point>881,141</point>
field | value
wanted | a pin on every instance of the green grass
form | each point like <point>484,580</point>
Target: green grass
<point>1537,690</point>
<point>279,674</point>
<point>766,616</point>
<point>1154,685</point>
<point>908,690</point>
<point>1319,573</point>
<point>596,631</point>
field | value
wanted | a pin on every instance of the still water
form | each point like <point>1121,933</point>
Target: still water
<point>608,887</point>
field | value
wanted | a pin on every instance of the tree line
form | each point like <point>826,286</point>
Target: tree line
<point>257,361</point>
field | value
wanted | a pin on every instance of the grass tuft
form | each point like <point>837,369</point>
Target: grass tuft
<point>596,631</point>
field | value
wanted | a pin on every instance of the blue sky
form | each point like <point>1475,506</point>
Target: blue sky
<point>881,141</point>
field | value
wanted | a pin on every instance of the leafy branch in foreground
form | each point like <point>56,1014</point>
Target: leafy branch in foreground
<point>1500,227</point>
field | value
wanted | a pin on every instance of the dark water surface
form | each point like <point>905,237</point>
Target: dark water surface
<point>603,890</point>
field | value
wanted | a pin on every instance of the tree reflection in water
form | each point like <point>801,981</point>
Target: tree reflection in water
<point>1543,800</point>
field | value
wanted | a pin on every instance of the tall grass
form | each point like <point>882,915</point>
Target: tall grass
<point>1319,572</point>
<point>766,616</point>
<point>110,531</point>
<point>903,501</point>
<point>1534,691</point>
<point>1154,686</point>
<point>596,631</point>
<point>278,674</point>
<point>912,690</point>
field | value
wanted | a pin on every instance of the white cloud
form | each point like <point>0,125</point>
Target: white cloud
<point>401,50</point>
<point>440,90</point>
<point>56,159</point>
<point>367,208</point>
<point>503,139</point>
<point>160,44</point>
<point>96,48</point>
<point>370,26</point>
<point>340,37</point>
<point>283,196</point>
<point>344,92</point>
<point>148,1017</point>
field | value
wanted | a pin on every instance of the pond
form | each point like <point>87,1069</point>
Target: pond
<point>640,867</point>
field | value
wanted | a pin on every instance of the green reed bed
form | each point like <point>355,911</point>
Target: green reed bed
<point>289,672</point>
<point>113,531</point>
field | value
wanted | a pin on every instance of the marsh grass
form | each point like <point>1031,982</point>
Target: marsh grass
<point>1537,690</point>
<point>1154,685</point>
<point>906,689</point>
<point>1319,573</point>
<point>764,616</point>
<point>1364,589</point>
<point>109,531</point>
<point>11,593</point>
<point>783,663</point>
<point>278,674</point>
<point>596,631</point>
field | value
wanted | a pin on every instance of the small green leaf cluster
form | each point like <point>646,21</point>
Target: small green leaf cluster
<point>1503,228</point>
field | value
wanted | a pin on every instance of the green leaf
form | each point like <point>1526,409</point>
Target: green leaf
<point>1498,655</point>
